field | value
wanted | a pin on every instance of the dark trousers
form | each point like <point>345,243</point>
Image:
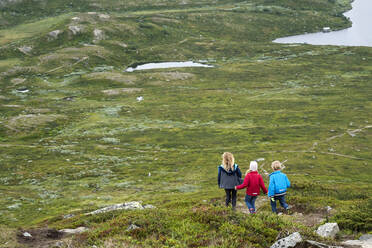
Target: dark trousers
<point>230,196</point>
<point>282,202</point>
<point>249,201</point>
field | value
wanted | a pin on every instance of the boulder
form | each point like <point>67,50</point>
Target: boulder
<point>290,241</point>
<point>75,29</point>
<point>98,35</point>
<point>25,49</point>
<point>103,16</point>
<point>74,231</point>
<point>54,34</point>
<point>68,216</point>
<point>120,206</point>
<point>132,227</point>
<point>328,230</point>
<point>314,244</point>
<point>365,241</point>
<point>366,237</point>
<point>27,234</point>
<point>75,19</point>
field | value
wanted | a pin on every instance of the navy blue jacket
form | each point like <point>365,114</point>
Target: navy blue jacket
<point>229,179</point>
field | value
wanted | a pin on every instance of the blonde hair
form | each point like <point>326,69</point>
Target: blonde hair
<point>228,161</point>
<point>276,165</point>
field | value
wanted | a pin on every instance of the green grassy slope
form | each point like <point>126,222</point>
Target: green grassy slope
<point>76,141</point>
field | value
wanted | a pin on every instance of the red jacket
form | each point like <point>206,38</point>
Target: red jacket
<point>253,181</point>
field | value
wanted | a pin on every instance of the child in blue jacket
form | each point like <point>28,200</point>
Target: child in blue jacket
<point>278,187</point>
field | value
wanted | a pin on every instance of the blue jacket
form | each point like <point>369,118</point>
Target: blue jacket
<point>278,184</point>
<point>229,179</point>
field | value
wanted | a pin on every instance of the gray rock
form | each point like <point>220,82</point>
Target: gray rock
<point>75,29</point>
<point>132,227</point>
<point>68,216</point>
<point>149,206</point>
<point>320,245</point>
<point>365,241</point>
<point>104,16</point>
<point>74,231</point>
<point>98,35</point>
<point>329,209</point>
<point>27,235</point>
<point>361,244</point>
<point>289,241</point>
<point>120,206</point>
<point>25,49</point>
<point>54,34</point>
<point>59,244</point>
<point>75,18</point>
<point>366,237</point>
<point>328,230</point>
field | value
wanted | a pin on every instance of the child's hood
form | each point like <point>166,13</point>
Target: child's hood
<point>275,172</point>
<point>229,171</point>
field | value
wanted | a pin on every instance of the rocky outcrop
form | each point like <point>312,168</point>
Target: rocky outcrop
<point>121,206</point>
<point>25,49</point>
<point>98,35</point>
<point>364,241</point>
<point>54,34</point>
<point>75,19</point>
<point>132,227</point>
<point>75,29</point>
<point>328,230</point>
<point>314,244</point>
<point>290,241</point>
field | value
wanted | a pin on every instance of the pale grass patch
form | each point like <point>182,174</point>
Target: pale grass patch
<point>112,76</point>
<point>30,29</point>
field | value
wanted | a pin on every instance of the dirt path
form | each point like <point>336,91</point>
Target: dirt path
<point>297,215</point>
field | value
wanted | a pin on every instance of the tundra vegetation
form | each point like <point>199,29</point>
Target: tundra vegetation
<point>74,137</point>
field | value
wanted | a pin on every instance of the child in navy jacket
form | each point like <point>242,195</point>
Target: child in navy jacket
<point>229,176</point>
<point>278,186</point>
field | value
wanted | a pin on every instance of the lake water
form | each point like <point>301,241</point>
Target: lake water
<point>360,34</point>
<point>162,65</point>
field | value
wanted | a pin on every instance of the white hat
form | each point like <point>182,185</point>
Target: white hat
<point>253,166</point>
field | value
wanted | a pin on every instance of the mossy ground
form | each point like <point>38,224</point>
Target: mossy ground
<point>69,147</point>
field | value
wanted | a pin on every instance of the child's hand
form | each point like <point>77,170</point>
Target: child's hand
<point>235,188</point>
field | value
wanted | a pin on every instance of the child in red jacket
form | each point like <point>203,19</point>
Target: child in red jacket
<point>253,182</point>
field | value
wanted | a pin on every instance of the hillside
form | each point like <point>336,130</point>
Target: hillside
<point>74,137</point>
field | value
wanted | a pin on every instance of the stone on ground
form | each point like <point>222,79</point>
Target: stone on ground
<point>54,34</point>
<point>290,241</point>
<point>328,230</point>
<point>365,241</point>
<point>132,227</point>
<point>75,29</point>
<point>314,244</point>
